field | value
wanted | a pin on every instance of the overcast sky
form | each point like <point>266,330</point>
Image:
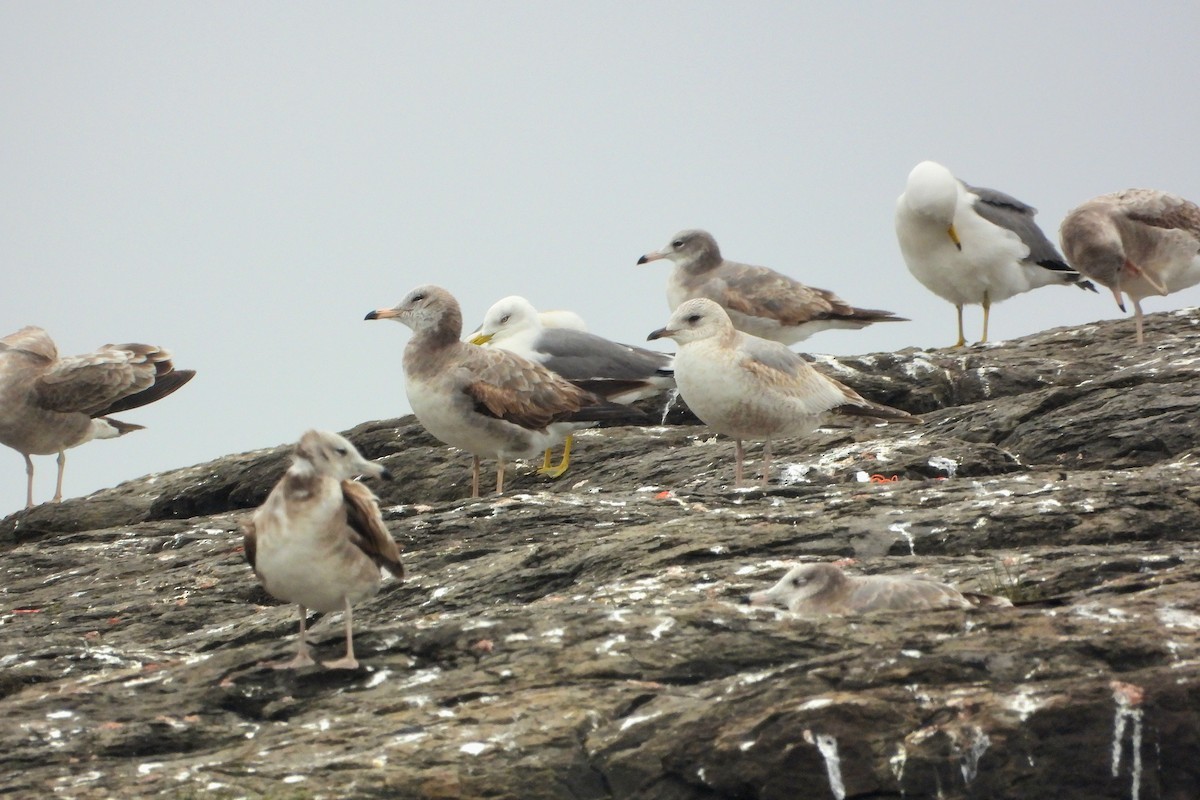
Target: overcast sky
<point>242,182</point>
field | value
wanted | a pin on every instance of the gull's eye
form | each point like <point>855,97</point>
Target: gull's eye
<point>677,243</point>
<point>693,318</point>
<point>341,451</point>
<point>504,319</point>
<point>797,582</point>
<point>418,298</point>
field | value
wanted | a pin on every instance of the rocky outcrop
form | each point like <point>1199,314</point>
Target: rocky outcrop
<point>586,638</point>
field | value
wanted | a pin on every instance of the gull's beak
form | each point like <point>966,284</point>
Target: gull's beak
<point>661,333</point>
<point>1116,290</point>
<point>383,313</point>
<point>654,256</point>
<point>1134,269</point>
<point>481,338</point>
<point>953,234</point>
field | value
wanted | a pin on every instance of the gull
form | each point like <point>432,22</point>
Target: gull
<point>1137,242</point>
<point>484,400</point>
<point>760,301</point>
<point>751,388</point>
<point>819,589</point>
<point>970,245</point>
<point>554,318</point>
<point>319,541</point>
<point>50,404</point>
<point>618,372</point>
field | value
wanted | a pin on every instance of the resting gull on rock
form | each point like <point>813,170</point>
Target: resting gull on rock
<point>484,400</point>
<point>751,388</point>
<point>50,404</point>
<point>319,541</point>
<point>617,372</point>
<point>760,301</point>
<point>1137,242</point>
<point>970,245</point>
<point>820,589</point>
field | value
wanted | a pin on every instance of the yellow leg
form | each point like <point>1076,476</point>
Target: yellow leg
<point>962,340</point>
<point>987,307</point>
<point>558,470</point>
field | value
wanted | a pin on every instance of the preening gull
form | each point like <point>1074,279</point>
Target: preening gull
<point>760,301</point>
<point>484,400</point>
<point>1137,242</point>
<point>970,245</point>
<point>50,404</point>
<point>819,589</point>
<point>750,388</point>
<point>618,372</point>
<point>319,541</point>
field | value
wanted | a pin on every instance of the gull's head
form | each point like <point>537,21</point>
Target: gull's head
<point>424,308</point>
<point>801,582</point>
<point>328,454</point>
<point>694,320</point>
<point>506,318</point>
<point>932,192</point>
<point>1093,245</point>
<point>688,248</point>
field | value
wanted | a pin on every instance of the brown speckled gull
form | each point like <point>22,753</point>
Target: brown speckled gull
<point>760,301</point>
<point>1137,242</point>
<point>50,404</point>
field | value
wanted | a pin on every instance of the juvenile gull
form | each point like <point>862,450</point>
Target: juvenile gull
<point>751,388</point>
<point>970,245</point>
<point>484,400</point>
<point>319,541</point>
<point>760,301</point>
<point>618,372</point>
<point>819,589</point>
<point>50,404</point>
<point>1137,242</point>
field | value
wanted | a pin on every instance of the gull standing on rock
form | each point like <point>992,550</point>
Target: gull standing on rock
<point>820,589</point>
<point>970,245</point>
<point>484,400</point>
<point>760,301</point>
<point>1137,242</point>
<point>50,404</point>
<point>751,388</point>
<point>319,541</point>
<point>619,373</point>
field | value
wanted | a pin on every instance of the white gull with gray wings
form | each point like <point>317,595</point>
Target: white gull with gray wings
<point>973,246</point>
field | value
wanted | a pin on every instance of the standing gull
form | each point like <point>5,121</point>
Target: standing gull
<point>1138,242</point>
<point>484,400</point>
<point>971,245</point>
<point>617,372</point>
<point>319,541</point>
<point>819,589</point>
<point>760,301</point>
<point>50,404</point>
<point>751,388</point>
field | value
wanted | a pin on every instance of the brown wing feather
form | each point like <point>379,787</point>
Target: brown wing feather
<point>517,390</point>
<point>763,292</point>
<point>371,536</point>
<point>250,541</point>
<point>1162,210</point>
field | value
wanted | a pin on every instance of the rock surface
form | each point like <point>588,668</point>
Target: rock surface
<point>586,638</point>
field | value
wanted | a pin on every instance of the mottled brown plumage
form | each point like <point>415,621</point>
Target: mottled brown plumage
<point>759,301</point>
<point>50,404</point>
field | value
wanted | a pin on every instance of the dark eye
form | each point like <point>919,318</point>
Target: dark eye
<point>797,581</point>
<point>693,318</point>
<point>504,319</point>
<point>677,243</point>
<point>418,298</point>
<point>341,451</point>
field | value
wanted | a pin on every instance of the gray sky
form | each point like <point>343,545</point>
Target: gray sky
<point>242,182</point>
